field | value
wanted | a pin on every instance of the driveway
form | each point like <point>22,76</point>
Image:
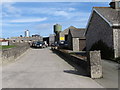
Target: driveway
<point>41,68</point>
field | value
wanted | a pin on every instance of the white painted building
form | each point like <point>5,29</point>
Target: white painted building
<point>4,43</point>
<point>27,33</point>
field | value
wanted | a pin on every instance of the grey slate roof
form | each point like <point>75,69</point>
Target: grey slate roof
<point>77,33</point>
<point>66,31</point>
<point>71,27</point>
<point>112,15</point>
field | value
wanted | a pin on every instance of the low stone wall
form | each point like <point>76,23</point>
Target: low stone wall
<point>12,53</point>
<point>0,56</point>
<point>92,65</point>
<point>81,61</point>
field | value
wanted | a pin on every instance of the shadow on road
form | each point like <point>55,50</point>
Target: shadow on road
<point>36,47</point>
<point>78,70</point>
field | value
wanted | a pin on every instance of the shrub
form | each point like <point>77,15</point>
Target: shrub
<point>118,60</point>
<point>106,52</point>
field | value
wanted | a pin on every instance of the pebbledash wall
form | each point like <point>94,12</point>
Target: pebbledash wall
<point>12,53</point>
<point>99,29</point>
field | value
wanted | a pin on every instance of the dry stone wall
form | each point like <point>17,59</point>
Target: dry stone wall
<point>12,53</point>
<point>92,65</point>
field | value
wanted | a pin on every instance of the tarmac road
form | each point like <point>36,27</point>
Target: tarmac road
<point>41,68</point>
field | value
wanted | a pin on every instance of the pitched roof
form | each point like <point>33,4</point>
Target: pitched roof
<point>111,15</point>
<point>77,33</point>
<point>66,31</point>
<point>71,27</point>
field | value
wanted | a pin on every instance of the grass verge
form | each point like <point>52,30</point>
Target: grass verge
<point>6,47</point>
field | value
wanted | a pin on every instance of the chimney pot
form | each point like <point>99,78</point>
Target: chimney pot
<point>115,4</point>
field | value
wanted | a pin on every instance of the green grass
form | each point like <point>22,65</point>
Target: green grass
<point>5,47</point>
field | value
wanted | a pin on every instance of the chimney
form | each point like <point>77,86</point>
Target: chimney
<point>115,4</point>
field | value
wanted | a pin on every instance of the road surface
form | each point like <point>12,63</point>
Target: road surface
<point>41,68</point>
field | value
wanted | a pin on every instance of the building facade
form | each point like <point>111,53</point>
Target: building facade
<point>63,35</point>
<point>4,42</point>
<point>51,39</point>
<point>104,25</point>
<point>14,40</point>
<point>76,40</point>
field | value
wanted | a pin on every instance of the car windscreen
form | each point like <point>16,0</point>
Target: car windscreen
<point>39,43</point>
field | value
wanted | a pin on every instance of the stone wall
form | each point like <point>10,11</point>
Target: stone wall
<point>75,44</point>
<point>0,57</point>
<point>12,53</point>
<point>116,42</point>
<point>98,29</point>
<point>119,42</point>
<point>83,63</point>
<point>91,65</point>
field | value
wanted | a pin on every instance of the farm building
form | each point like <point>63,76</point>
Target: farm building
<point>76,39</point>
<point>104,27</point>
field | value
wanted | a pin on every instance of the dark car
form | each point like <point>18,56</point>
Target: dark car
<point>38,44</point>
<point>55,44</point>
<point>63,44</point>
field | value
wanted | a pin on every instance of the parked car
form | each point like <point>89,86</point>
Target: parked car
<point>63,44</point>
<point>38,44</point>
<point>54,45</point>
